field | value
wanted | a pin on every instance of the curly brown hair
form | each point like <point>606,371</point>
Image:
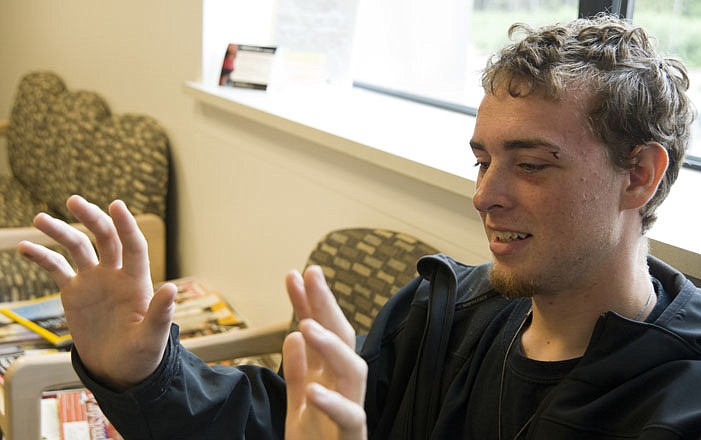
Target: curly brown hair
<point>634,95</point>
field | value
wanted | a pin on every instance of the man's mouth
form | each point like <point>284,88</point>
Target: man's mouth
<point>507,236</point>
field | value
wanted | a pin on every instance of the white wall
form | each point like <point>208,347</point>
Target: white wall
<point>250,202</point>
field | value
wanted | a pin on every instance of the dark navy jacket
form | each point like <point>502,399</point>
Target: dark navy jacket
<point>635,380</point>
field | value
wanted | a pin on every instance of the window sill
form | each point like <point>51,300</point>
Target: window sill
<point>425,143</point>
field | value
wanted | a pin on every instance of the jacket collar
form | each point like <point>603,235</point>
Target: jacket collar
<point>680,322</point>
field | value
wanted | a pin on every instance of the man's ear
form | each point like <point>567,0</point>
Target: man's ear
<point>649,163</point>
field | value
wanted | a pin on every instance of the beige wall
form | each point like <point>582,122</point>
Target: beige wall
<point>250,201</point>
<point>4,166</point>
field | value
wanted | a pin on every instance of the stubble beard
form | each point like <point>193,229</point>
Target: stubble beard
<point>512,286</point>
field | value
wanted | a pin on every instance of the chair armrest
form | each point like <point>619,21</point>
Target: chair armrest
<point>154,229</point>
<point>4,123</point>
<point>25,380</point>
<point>151,225</point>
<point>239,343</point>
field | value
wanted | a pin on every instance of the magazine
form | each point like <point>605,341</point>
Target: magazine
<point>16,340</point>
<point>44,316</point>
<point>200,311</point>
<point>74,414</point>
<point>13,333</point>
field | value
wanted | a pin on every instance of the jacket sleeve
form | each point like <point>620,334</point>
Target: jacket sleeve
<point>187,399</point>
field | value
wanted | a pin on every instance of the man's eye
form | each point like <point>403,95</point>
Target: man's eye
<point>532,167</point>
<point>482,165</point>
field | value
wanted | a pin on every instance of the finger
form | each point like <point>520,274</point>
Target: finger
<point>348,415</point>
<point>348,369</point>
<point>53,262</point>
<point>315,363</point>
<point>294,365</point>
<point>134,247</point>
<point>75,242</point>
<point>298,295</point>
<point>324,307</point>
<point>109,247</point>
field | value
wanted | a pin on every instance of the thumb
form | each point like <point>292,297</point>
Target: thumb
<point>160,311</point>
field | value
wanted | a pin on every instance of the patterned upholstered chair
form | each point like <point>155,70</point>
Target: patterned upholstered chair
<point>62,142</point>
<point>362,266</point>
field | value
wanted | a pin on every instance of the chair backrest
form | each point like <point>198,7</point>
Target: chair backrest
<point>63,142</point>
<point>364,267</point>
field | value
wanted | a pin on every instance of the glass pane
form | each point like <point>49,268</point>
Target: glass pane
<point>437,49</point>
<point>491,19</point>
<point>677,26</point>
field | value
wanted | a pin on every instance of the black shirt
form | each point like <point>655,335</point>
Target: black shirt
<point>510,386</point>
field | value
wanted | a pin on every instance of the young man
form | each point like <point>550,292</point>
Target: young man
<point>573,331</point>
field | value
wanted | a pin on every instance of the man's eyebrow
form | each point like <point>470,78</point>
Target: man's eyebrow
<point>542,144</point>
<point>539,144</point>
<point>523,144</point>
<point>476,145</point>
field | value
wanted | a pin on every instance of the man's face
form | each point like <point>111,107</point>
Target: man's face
<point>547,195</point>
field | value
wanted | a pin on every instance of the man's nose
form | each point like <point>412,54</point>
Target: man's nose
<point>493,190</point>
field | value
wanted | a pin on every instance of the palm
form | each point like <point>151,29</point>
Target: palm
<point>109,316</point>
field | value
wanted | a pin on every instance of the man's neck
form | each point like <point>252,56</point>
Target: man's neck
<point>563,322</point>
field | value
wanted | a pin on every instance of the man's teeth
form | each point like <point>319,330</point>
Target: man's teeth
<point>510,236</point>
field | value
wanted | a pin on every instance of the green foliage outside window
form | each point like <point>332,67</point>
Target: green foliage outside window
<point>676,24</point>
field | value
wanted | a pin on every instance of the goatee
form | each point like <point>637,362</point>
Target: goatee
<point>512,286</point>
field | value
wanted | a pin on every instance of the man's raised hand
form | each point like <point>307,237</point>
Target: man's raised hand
<point>119,327</point>
<point>326,379</point>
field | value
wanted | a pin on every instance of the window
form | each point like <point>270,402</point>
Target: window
<point>677,26</point>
